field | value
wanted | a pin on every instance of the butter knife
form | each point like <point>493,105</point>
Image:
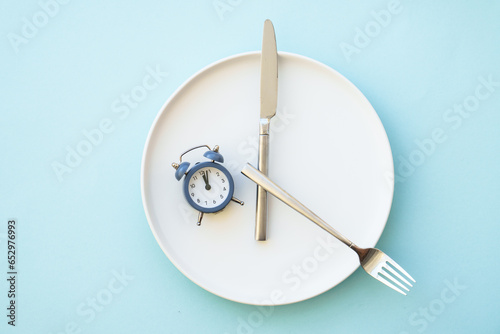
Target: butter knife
<point>268,102</point>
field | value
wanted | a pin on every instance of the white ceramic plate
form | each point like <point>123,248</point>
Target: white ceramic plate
<point>328,149</point>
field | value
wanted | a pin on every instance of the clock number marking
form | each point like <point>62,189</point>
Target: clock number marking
<point>199,182</point>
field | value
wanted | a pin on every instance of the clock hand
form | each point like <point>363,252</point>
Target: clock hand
<point>207,184</point>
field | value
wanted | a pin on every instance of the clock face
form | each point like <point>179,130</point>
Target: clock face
<point>208,187</point>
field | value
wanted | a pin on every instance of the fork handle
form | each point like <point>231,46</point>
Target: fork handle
<point>262,180</point>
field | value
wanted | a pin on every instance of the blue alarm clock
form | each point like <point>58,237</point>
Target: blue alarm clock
<point>208,186</point>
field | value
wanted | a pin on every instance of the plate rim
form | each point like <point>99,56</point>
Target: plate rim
<point>186,83</point>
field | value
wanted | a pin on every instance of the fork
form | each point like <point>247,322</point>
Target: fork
<point>374,261</point>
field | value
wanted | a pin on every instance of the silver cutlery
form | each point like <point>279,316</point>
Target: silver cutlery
<point>268,102</point>
<point>374,261</point>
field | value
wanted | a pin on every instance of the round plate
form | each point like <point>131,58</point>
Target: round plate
<point>328,149</point>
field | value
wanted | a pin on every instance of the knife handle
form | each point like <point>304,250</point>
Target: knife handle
<point>261,209</point>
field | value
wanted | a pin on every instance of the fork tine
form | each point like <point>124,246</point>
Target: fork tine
<point>398,267</point>
<point>388,276</point>
<point>383,280</point>
<point>395,273</point>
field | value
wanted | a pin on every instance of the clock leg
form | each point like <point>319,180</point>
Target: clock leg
<point>234,199</point>
<point>200,217</point>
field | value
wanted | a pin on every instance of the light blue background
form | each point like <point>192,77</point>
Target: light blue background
<point>75,235</point>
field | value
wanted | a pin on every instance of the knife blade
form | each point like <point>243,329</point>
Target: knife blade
<point>268,103</point>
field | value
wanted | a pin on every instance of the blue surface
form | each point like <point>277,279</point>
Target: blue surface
<point>80,92</point>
